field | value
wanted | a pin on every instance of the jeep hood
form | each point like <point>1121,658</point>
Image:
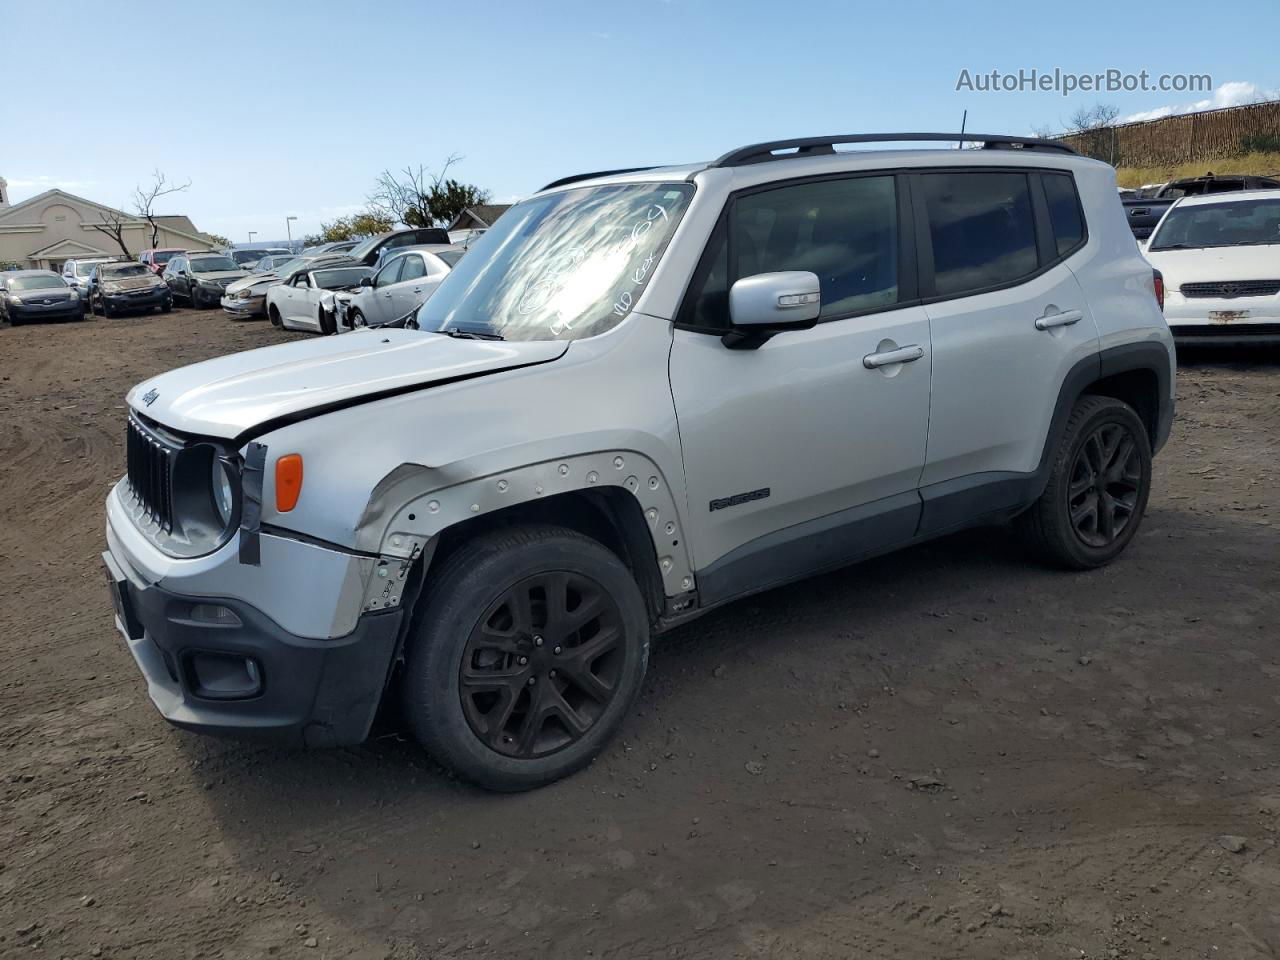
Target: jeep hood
<point>237,395</point>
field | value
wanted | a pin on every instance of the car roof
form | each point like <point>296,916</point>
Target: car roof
<point>1234,196</point>
<point>751,165</point>
<point>32,273</point>
<point>428,248</point>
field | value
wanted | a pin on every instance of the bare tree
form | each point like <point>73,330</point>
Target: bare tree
<point>1092,131</point>
<point>1093,118</point>
<point>144,200</point>
<point>113,225</point>
<point>417,197</point>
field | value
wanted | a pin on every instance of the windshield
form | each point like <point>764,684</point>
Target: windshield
<point>1227,224</point>
<point>36,283</point>
<point>341,277</point>
<point>361,249</point>
<point>288,266</point>
<point>247,256</point>
<point>212,264</point>
<point>163,256</point>
<point>83,269</point>
<point>562,266</point>
<point>109,272</point>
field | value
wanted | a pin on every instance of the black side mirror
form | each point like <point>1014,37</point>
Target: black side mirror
<point>366,281</point>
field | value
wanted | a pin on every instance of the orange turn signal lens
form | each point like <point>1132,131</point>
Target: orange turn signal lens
<point>288,481</point>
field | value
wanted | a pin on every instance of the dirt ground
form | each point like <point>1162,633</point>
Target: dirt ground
<point>949,752</point>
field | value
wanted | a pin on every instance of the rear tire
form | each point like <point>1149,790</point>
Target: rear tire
<point>530,650</point>
<point>1099,483</point>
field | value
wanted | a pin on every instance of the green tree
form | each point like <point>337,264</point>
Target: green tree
<point>366,223</point>
<point>419,198</point>
<point>218,241</point>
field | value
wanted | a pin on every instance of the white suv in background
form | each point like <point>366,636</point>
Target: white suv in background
<point>1220,258</point>
<point>76,274</point>
<point>641,395</point>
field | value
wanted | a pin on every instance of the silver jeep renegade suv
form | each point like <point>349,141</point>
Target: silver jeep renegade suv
<point>640,395</point>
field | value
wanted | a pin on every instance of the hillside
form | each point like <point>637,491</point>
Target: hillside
<point>1266,163</point>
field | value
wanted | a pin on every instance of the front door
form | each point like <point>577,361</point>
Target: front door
<point>806,452</point>
<point>381,297</point>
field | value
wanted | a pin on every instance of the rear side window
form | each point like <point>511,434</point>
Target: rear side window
<point>1064,211</point>
<point>844,231</point>
<point>981,229</point>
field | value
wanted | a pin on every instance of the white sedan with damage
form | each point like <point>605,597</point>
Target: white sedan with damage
<point>307,300</point>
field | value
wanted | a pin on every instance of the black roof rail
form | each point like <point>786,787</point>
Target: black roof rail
<point>818,146</point>
<point>591,176</point>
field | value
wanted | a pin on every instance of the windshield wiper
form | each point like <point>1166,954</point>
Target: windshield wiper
<point>459,334</point>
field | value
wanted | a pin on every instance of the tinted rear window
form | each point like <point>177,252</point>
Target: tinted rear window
<point>1064,211</point>
<point>982,230</point>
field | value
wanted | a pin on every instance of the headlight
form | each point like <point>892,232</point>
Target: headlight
<point>222,483</point>
<point>75,294</point>
<point>206,498</point>
<point>213,284</point>
<point>13,299</point>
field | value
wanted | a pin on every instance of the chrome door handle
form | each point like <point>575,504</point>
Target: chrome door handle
<point>1064,319</point>
<point>901,355</point>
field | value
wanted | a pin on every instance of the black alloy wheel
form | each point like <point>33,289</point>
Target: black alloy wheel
<point>1106,480</point>
<point>542,664</point>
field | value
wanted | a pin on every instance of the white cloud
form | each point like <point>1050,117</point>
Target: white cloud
<point>43,182</point>
<point>1234,93</point>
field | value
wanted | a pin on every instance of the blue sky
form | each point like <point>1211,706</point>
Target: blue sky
<point>273,109</point>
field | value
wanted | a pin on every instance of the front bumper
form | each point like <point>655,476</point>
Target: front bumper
<point>242,675</point>
<point>27,312</point>
<point>296,662</point>
<point>1223,320</point>
<point>137,299</point>
<point>253,307</point>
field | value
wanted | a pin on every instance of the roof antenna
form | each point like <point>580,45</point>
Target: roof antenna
<point>963,120</point>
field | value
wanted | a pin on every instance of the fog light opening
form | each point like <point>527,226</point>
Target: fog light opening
<point>223,676</point>
<point>214,613</point>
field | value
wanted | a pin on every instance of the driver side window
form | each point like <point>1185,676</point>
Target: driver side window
<point>843,230</point>
<point>390,273</point>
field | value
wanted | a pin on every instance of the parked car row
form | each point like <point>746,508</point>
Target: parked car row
<point>1144,207</point>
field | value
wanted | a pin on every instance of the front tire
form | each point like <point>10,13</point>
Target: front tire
<point>274,315</point>
<point>530,651</point>
<point>197,299</point>
<point>1099,483</point>
<point>355,317</point>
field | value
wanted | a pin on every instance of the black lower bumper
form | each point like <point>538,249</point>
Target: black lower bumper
<point>143,301</point>
<point>24,314</point>
<point>220,666</point>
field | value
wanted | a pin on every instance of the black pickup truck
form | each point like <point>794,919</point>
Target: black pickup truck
<point>1144,213</point>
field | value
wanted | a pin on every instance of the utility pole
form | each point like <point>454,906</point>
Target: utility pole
<point>288,229</point>
<point>251,233</point>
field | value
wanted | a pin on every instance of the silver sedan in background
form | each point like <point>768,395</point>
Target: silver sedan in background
<point>403,284</point>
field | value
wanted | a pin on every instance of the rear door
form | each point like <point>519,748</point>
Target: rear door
<point>1007,319</point>
<point>805,452</point>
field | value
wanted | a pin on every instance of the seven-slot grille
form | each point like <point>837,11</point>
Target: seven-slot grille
<point>1225,289</point>
<point>150,462</point>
